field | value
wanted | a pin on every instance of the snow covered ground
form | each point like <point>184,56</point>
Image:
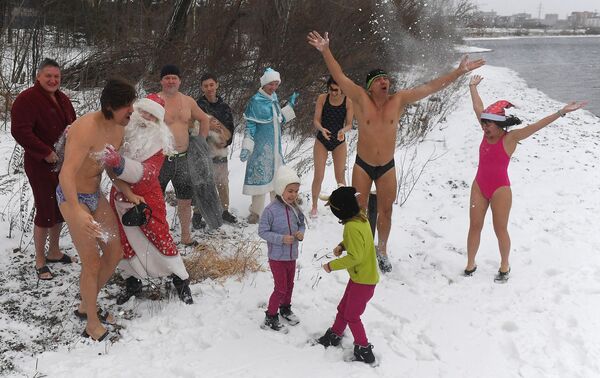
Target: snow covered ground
<point>426,319</point>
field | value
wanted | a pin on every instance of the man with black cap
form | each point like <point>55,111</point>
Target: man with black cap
<point>180,111</point>
<point>378,113</point>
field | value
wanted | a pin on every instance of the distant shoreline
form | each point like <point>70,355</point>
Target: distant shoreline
<point>530,37</point>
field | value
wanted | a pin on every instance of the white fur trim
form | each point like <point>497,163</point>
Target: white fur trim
<point>269,76</point>
<point>493,117</point>
<point>248,144</point>
<point>151,107</point>
<point>288,113</point>
<point>132,172</point>
<point>283,177</point>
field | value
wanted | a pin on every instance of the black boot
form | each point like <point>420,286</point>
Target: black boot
<point>272,322</point>
<point>197,221</point>
<point>133,287</point>
<point>330,338</point>
<point>228,217</point>
<point>364,353</point>
<point>183,289</point>
<point>287,313</point>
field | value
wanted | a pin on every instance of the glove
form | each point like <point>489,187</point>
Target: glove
<point>293,100</point>
<point>244,154</point>
<point>113,159</point>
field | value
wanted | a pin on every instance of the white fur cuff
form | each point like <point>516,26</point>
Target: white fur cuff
<point>288,113</point>
<point>248,144</point>
<point>132,172</point>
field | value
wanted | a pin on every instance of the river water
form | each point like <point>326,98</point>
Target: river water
<point>565,68</point>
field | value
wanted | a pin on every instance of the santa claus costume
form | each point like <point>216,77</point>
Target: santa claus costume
<point>149,250</point>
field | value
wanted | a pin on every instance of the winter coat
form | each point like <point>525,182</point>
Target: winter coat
<point>262,136</point>
<point>156,230</point>
<point>279,219</point>
<point>221,111</point>
<point>360,259</point>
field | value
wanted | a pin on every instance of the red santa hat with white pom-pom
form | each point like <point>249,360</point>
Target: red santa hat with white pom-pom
<point>152,104</point>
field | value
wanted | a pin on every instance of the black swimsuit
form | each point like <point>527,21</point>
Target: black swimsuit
<point>332,119</point>
<point>374,171</point>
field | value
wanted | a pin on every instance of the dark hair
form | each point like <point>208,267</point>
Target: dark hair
<point>330,81</point>
<point>208,76</point>
<point>509,121</point>
<point>117,93</point>
<point>47,62</point>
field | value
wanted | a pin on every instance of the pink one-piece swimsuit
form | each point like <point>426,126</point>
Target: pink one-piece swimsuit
<point>492,172</point>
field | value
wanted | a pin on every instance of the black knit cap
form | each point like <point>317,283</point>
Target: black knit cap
<point>374,74</point>
<point>170,69</point>
<point>343,203</point>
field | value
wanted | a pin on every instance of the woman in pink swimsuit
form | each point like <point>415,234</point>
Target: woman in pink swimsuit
<point>491,186</point>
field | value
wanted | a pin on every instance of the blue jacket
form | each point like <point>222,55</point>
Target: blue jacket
<point>279,219</point>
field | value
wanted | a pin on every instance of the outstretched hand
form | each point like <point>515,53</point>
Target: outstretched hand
<point>572,106</point>
<point>318,42</point>
<point>475,80</point>
<point>467,65</point>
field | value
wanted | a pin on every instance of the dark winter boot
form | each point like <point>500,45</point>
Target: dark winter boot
<point>272,322</point>
<point>364,353</point>
<point>330,338</point>
<point>228,217</point>
<point>183,289</point>
<point>287,314</point>
<point>133,287</point>
<point>197,221</point>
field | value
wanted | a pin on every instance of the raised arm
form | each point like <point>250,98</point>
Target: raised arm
<point>322,45</point>
<point>529,130</point>
<point>417,93</point>
<point>477,103</point>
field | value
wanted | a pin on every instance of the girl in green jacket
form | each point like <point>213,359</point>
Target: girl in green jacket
<point>361,263</point>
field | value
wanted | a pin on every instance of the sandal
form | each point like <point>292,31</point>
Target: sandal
<point>65,259</point>
<point>469,272</point>
<point>103,315</point>
<point>44,270</point>
<point>88,336</point>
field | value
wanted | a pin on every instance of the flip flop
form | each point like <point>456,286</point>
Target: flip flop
<point>470,272</point>
<point>102,316</point>
<point>88,336</point>
<point>44,270</point>
<point>193,243</point>
<point>65,259</point>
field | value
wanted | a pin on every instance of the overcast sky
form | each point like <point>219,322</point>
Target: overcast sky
<point>562,7</point>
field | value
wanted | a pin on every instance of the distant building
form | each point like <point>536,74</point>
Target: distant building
<point>579,19</point>
<point>519,19</point>
<point>592,22</point>
<point>551,19</point>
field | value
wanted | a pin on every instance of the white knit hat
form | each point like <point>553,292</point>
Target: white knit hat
<point>285,176</point>
<point>269,76</point>
<point>151,107</point>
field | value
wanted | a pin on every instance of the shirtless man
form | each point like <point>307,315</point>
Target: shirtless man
<point>378,113</point>
<point>180,112</point>
<point>91,221</point>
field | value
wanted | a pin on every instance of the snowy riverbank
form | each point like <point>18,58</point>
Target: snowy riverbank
<point>425,319</point>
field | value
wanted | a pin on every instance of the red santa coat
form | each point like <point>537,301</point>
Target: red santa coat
<point>157,229</point>
<point>36,124</point>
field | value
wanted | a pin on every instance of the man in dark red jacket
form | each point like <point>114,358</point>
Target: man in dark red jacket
<point>39,116</point>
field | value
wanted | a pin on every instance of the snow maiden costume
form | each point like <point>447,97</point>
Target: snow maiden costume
<point>148,250</point>
<point>262,141</point>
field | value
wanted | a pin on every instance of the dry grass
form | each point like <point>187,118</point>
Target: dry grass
<point>222,259</point>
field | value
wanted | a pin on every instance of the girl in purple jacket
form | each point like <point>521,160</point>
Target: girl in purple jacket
<point>282,226</point>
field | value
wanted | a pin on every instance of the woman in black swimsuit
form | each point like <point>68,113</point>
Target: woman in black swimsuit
<point>333,117</point>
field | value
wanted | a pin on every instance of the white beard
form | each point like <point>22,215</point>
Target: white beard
<point>144,138</point>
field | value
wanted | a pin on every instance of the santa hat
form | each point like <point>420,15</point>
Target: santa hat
<point>495,112</point>
<point>269,76</point>
<point>343,202</point>
<point>285,176</point>
<point>152,104</point>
